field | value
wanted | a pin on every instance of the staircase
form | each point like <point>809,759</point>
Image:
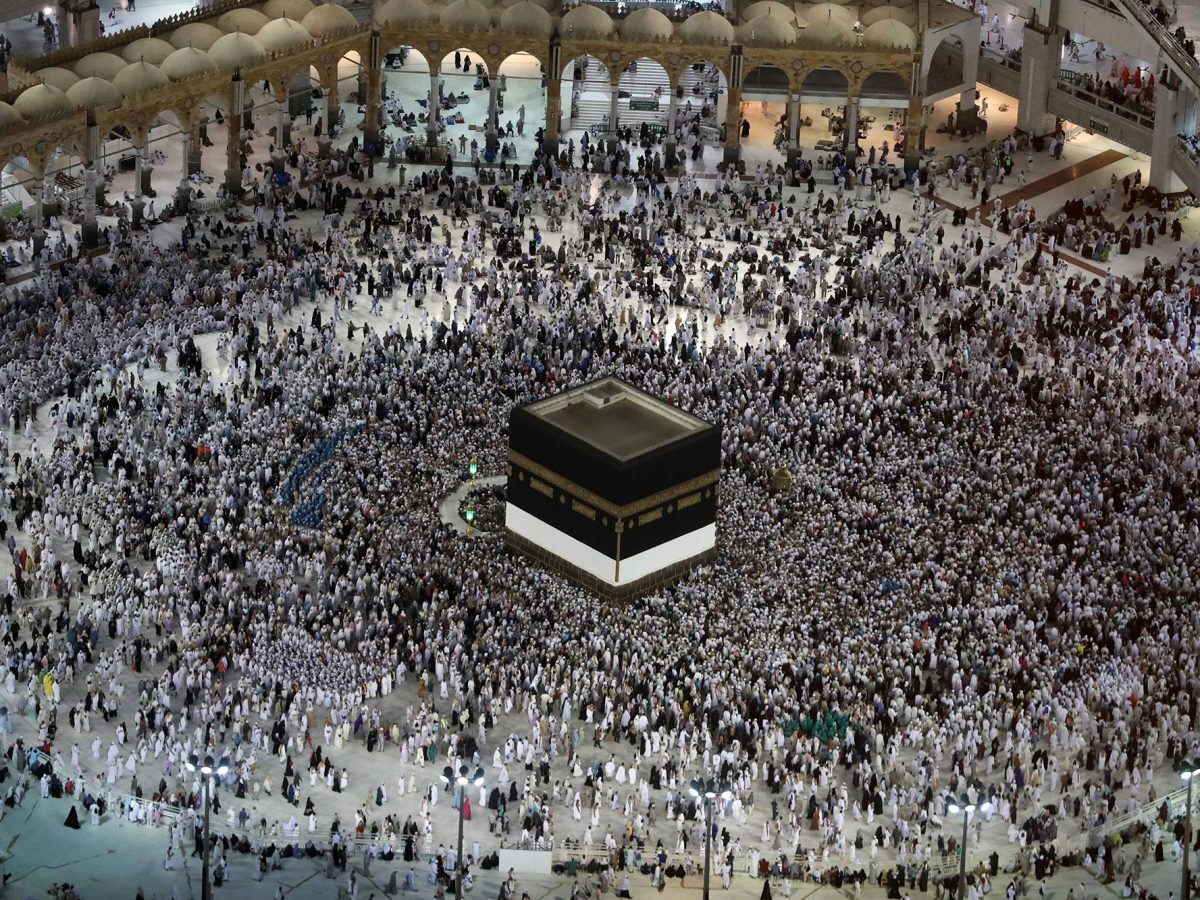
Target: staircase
<point>1181,63</point>
<point>594,103</point>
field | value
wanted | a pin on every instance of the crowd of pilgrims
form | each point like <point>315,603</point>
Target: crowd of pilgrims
<point>981,580</point>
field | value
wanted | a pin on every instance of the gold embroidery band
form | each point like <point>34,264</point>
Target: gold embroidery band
<point>583,509</point>
<point>653,516</point>
<point>595,500</point>
<point>541,487</point>
<point>688,501</point>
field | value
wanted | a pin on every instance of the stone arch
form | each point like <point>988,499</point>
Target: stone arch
<point>883,82</point>
<point>946,65</point>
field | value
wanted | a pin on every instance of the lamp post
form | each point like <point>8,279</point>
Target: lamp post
<point>460,780</point>
<point>708,792</point>
<point>966,807</point>
<point>1188,772</point>
<point>207,769</point>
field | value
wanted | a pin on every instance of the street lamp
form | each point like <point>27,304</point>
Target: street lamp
<point>966,807</point>
<point>708,791</point>
<point>1187,770</point>
<point>460,782</point>
<point>207,768</point>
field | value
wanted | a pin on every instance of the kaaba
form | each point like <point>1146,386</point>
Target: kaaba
<point>612,487</point>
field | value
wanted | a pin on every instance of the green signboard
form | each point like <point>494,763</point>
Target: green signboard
<point>1097,126</point>
<point>646,105</point>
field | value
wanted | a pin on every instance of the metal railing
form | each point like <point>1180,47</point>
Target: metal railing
<point>1183,64</point>
<point>1079,86</point>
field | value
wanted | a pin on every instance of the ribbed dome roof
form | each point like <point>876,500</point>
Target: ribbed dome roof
<point>236,50</point>
<point>328,18</point>
<point>292,9</point>
<point>646,24</point>
<point>101,65</point>
<point>548,5</point>
<point>139,77</point>
<point>769,7</point>
<point>40,100</point>
<point>829,32</point>
<point>527,17</point>
<point>469,14</point>
<point>767,29</point>
<point>200,35</point>
<point>405,12</point>
<point>823,13</point>
<point>94,93</point>
<point>186,62</point>
<point>891,33</point>
<point>882,13</point>
<point>587,20</point>
<point>707,27</point>
<point>281,34</point>
<point>148,49</point>
<point>9,116</point>
<point>57,76</point>
<point>249,21</point>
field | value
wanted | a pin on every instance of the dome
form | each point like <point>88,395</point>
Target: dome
<point>248,21</point>
<point>405,12</point>
<point>280,34</point>
<point>586,20</point>
<point>327,18</point>
<point>769,29</point>
<point>94,93</point>
<point>829,32</point>
<point>40,100</point>
<point>139,77</point>
<point>769,8</point>
<point>58,77</point>
<point>200,35</point>
<point>101,65</point>
<point>647,24</point>
<point>544,4</point>
<point>468,14</point>
<point>186,62</point>
<point>9,116</point>
<point>290,9</point>
<point>883,13</point>
<point>824,13</point>
<point>707,28</point>
<point>527,17</point>
<point>149,49</point>
<point>890,33</point>
<point>236,50</point>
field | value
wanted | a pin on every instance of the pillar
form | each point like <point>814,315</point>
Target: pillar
<point>733,111</point>
<point>145,173</point>
<point>193,148</point>
<point>1041,55</point>
<point>793,147</point>
<point>431,120</point>
<point>283,124</point>
<point>613,112</point>
<point>491,138</point>
<point>553,98</point>
<point>1166,107</point>
<point>968,113</point>
<point>332,108</point>
<point>90,231</point>
<point>78,22</point>
<point>39,214</point>
<point>671,159</point>
<point>851,133</point>
<point>374,88</point>
<point>138,206</point>
<point>233,143</point>
<point>183,191</point>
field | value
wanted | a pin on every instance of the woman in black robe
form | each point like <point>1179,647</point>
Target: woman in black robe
<point>72,818</point>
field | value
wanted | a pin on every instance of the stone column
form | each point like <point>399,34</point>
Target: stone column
<point>733,110</point>
<point>372,102</point>
<point>1041,55</point>
<point>233,143</point>
<point>553,114</point>
<point>491,138</point>
<point>793,146</point>
<point>671,158</point>
<point>39,210</point>
<point>613,113</point>
<point>194,149</point>
<point>431,122</point>
<point>90,230</point>
<point>332,107</point>
<point>851,133</point>
<point>1166,108</point>
<point>283,124</point>
<point>138,207</point>
<point>183,191</point>
<point>968,112</point>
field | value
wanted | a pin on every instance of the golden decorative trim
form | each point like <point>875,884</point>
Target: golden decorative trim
<point>583,509</point>
<point>688,501</point>
<point>595,500</point>
<point>653,516</point>
<point>541,487</point>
